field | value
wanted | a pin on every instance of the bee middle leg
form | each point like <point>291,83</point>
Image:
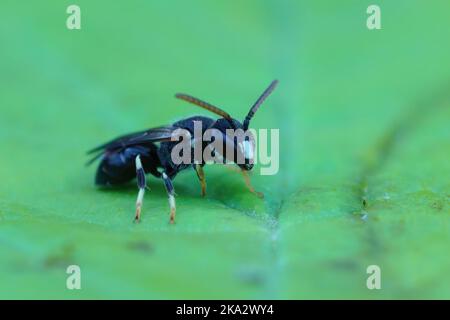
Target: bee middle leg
<point>201,177</point>
<point>171,193</point>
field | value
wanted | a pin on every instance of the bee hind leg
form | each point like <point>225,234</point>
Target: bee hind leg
<point>142,185</point>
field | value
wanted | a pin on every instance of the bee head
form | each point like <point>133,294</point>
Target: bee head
<point>241,141</point>
<point>238,144</point>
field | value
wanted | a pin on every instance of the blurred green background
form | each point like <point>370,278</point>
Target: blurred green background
<point>365,143</point>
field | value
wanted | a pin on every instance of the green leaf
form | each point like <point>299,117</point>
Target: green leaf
<point>363,180</point>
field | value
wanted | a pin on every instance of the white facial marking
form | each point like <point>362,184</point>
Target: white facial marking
<point>248,149</point>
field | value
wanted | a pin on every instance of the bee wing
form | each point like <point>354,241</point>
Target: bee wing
<point>158,134</point>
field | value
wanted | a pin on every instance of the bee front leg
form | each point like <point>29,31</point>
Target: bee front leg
<point>142,185</point>
<point>249,185</point>
<point>171,193</point>
<point>201,177</point>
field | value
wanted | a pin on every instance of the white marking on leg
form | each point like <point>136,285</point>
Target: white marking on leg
<point>140,197</point>
<point>172,202</point>
<point>172,208</point>
<point>139,201</point>
<point>138,163</point>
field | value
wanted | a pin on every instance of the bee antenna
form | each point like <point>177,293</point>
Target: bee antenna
<point>258,103</point>
<point>204,105</point>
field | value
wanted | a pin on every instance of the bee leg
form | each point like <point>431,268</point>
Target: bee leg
<point>142,184</point>
<point>249,185</point>
<point>171,193</point>
<point>201,177</point>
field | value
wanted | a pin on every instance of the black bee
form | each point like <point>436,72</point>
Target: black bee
<point>140,153</point>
